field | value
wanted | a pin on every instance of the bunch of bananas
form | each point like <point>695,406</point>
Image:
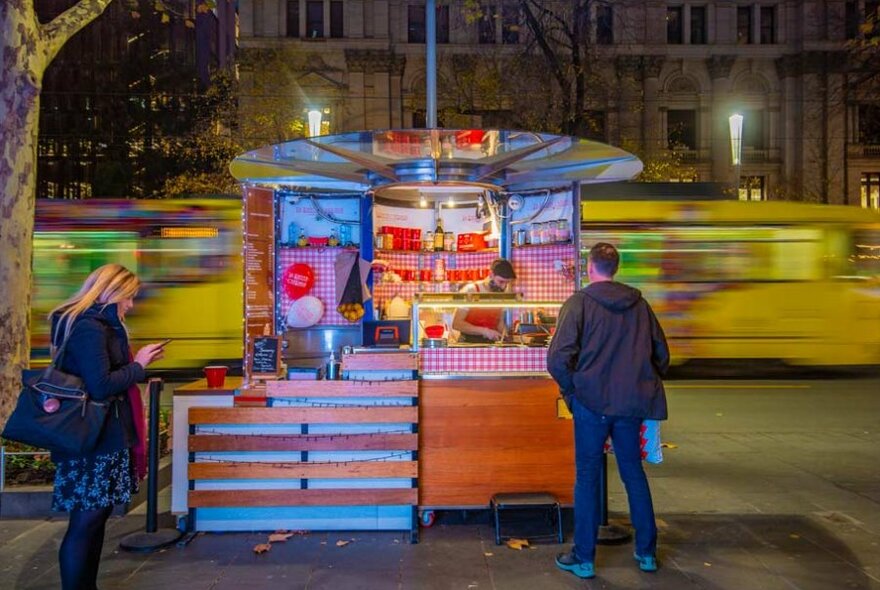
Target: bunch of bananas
<point>351,311</point>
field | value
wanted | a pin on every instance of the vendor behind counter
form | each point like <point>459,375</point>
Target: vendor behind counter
<point>485,326</point>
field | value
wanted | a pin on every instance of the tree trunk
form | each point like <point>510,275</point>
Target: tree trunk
<point>26,48</point>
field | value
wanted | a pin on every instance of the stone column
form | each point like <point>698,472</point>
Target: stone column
<point>629,74</point>
<point>788,68</point>
<point>812,148</point>
<point>719,67</point>
<point>652,132</point>
<point>835,128</point>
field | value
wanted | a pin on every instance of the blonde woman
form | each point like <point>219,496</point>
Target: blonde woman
<point>91,326</point>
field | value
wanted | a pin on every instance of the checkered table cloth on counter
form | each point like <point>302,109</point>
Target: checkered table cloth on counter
<point>482,360</point>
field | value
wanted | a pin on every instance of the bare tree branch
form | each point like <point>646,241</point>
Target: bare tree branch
<point>56,33</point>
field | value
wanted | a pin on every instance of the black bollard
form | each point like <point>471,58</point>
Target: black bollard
<point>153,539</point>
<point>609,534</point>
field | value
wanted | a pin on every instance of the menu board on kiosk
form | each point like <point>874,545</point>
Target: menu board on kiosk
<point>265,357</point>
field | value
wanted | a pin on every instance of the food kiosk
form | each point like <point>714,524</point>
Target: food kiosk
<point>356,250</point>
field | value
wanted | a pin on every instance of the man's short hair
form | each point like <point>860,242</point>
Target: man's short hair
<point>605,259</point>
<point>502,268</point>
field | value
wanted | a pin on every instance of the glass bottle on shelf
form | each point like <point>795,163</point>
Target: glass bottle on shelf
<point>438,235</point>
<point>562,231</point>
<point>302,241</point>
<point>449,241</point>
<point>535,233</point>
<point>429,241</point>
<point>333,240</point>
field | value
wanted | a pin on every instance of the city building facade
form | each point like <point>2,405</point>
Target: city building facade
<point>667,77</point>
<point>120,86</point>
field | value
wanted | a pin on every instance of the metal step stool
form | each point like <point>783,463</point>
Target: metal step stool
<point>527,501</point>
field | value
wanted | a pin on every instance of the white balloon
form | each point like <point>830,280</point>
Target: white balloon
<point>305,312</point>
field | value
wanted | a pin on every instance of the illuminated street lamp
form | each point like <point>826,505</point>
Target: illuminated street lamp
<point>736,142</point>
<point>314,123</point>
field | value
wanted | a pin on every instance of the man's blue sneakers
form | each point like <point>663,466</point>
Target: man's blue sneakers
<point>570,563</point>
<point>647,563</point>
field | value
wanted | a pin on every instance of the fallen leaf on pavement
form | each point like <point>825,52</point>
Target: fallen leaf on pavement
<point>262,548</point>
<point>488,554</point>
<point>795,536</point>
<point>669,445</point>
<point>342,543</point>
<point>517,544</point>
<point>279,537</point>
<point>707,564</point>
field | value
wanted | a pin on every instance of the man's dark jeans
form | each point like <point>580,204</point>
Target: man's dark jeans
<point>590,432</point>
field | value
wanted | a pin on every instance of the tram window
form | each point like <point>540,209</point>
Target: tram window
<point>865,254</point>
<point>714,254</point>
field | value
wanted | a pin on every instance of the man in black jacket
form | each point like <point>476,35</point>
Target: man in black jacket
<point>607,355</point>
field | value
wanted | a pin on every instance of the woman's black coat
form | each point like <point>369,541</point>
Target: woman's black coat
<point>98,353</point>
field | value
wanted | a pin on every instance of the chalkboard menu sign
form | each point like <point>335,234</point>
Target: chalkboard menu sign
<point>265,357</point>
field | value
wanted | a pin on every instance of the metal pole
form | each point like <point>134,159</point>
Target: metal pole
<point>609,534</point>
<point>431,63</point>
<point>155,388</point>
<point>153,539</point>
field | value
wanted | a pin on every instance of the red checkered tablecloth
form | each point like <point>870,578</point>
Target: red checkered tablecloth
<point>322,261</point>
<point>482,360</point>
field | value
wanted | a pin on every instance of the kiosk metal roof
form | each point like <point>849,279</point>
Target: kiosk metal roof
<point>434,159</point>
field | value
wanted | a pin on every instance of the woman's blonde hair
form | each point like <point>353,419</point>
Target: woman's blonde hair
<point>107,284</point>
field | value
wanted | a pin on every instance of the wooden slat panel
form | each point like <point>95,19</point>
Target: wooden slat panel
<point>380,361</point>
<point>369,497</point>
<point>342,388</point>
<point>304,442</point>
<point>357,469</point>
<point>478,437</point>
<point>359,415</point>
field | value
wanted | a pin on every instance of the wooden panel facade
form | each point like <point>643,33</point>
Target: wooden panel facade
<point>484,436</point>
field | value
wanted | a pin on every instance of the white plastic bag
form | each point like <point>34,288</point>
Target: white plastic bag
<point>649,442</point>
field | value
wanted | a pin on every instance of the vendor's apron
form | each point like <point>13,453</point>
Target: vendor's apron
<point>485,318</point>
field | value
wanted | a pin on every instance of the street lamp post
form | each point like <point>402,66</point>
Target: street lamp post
<point>314,123</point>
<point>736,128</point>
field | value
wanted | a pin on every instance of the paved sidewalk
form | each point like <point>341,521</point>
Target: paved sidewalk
<point>768,487</point>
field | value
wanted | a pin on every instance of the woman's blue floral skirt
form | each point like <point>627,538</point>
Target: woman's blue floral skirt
<point>90,483</point>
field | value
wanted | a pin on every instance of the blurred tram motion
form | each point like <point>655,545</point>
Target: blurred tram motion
<point>729,280</point>
<point>187,253</point>
<point>736,281</point>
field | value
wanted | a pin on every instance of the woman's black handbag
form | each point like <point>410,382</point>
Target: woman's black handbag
<point>54,412</point>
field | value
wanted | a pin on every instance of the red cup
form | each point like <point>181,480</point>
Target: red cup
<point>215,375</point>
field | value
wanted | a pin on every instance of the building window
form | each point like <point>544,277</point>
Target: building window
<point>681,129</point>
<point>674,29</point>
<point>852,20</point>
<point>416,23</point>
<point>752,188</point>
<point>753,130</point>
<point>486,25</point>
<point>594,126</point>
<point>336,19</point>
<point>744,25</point>
<point>768,25</point>
<point>604,25</point>
<point>871,190</point>
<point>698,25</point>
<point>443,23</point>
<point>510,24</point>
<point>869,124</point>
<point>315,19</point>
<point>872,14</point>
<point>293,18</point>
